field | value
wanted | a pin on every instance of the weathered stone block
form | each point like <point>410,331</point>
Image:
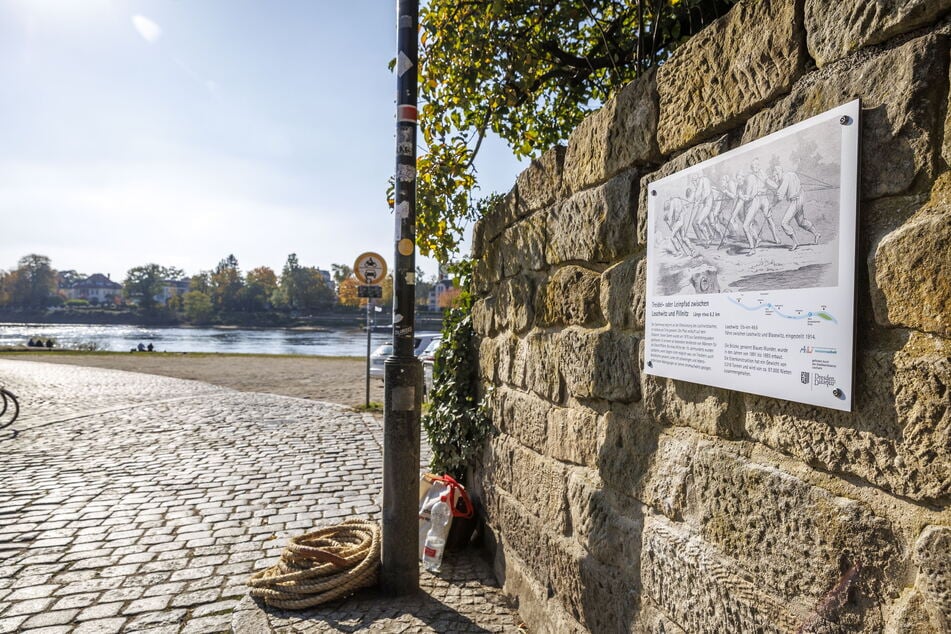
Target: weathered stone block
<point>899,434</point>
<point>537,360</point>
<point>618,136</point>
<point>593,592</point>
<point>912,614</point>
<point>600,364</point>
<point>795,538</point>
<point>574,435</point>
<point>704,591</point>
<point>478,239</point>
<point>595,225</point>
<point>540,184</point>
<point>694,155</point>
<point>650,620</point>
<point>571,297</point>
<point>483,317</point>
<point>729,70</point>
<point>609,528</point>
<point>523,246</point>
<point>622,293</point>
<point>505,348</point>
<point>912,268</point>
<point>711,410</point>
<point>902,92</point>
<point>525,418</point>
<point>515,303</point>
<point>546,615</point>
<point>488,360</point>
<point>932,555</point>
<point>520,530</point>
<point>535,481</point>
<point>642,462</point>
<point>836,29</point>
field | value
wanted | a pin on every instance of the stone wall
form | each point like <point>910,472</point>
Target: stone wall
<point>619,502</point>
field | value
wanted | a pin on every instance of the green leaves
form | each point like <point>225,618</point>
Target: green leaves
<point>528,71</point>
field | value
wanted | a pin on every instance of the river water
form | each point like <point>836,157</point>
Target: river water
<point>119,338</point>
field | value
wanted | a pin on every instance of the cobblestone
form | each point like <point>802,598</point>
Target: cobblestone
<point>136,502</point>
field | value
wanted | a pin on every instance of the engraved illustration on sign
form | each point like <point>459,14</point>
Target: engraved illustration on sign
<point>369,268</point>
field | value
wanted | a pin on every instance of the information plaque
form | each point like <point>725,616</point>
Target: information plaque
<point>751,265</point>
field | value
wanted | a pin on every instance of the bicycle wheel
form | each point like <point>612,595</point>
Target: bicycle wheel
<point>8,399</point>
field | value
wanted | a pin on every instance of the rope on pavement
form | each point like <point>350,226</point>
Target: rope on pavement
<point>321,566</point>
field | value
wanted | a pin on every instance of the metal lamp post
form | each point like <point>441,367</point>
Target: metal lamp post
<point>402,371</point>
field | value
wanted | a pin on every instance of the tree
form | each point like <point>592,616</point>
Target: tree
<point>143,283</point>
<point>347,292</point>
<point>198,308</point>
<point>33,282</point>
<point>340,272</point>
<point>226,285</point>
<point>532,70</point>
<point>259,285</point>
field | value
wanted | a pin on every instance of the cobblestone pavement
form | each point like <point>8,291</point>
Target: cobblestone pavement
<point>131,502</point>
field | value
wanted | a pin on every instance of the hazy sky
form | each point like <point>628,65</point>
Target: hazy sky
<point>179,131</point>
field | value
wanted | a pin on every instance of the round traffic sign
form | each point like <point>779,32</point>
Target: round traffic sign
<point>370,268</point>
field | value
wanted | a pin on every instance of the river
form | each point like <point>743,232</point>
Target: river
<point>118,338</point>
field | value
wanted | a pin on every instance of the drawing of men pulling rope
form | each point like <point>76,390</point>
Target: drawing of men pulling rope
<point>789,191</point>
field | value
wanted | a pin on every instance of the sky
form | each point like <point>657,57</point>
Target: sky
<point>181,131</point>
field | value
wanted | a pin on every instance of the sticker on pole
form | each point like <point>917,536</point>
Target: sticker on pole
<point>370,268</point>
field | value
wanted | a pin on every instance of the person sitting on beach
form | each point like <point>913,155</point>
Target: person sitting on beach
<point>150,347</point>
<point>141,347</point>
<point>49,343</point>
<point>31,343</point>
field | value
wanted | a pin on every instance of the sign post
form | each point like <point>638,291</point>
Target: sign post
<point>368,268</point>
<point>403,374</point>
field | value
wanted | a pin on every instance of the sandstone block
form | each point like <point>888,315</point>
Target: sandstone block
<point>898,435</point>
<point>711,410</point>
<point>488,361</point>
<point>574,435</point>
<point>912,268</point>
<point>622,294</point>
<point>537,358</point>
<point>535,481</point>
<point>522,246</point>
<point>594,593</point>
<point>600,364</point>
<point>595,225</point>
<point>540,184</point>
<point>571,297</point>
<point>836,29</point>
<point>607,526</point>
<point>704,591</point>
<point>483,317</point>
<point>911,614</point>
<point>932,555</point>
<point>525,418</point>
<point>501,216</point>
<point>651,620</point>
<point>694,155</point>
<point>639,460</point>
<point>506,346</point>
<point>794,538</point>
<point>515,303</point>
<point>618,136</point>
<point>902,97</point>
<point>546,614</point>
<point>520,530</point>
<point>729,70</point>
<point>478,239</point>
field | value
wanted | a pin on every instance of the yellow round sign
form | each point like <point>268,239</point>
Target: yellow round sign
<point>370,268</point>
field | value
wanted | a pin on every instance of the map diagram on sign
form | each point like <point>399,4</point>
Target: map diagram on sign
<point>771,309</point>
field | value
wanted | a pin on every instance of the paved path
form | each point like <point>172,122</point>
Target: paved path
<point>132,502</point>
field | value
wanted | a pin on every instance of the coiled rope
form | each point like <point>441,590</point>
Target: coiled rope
<point>321,566</point>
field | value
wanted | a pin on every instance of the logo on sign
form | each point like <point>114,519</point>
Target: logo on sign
<point>804,377</point>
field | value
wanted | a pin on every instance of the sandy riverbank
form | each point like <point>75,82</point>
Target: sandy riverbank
<point>335,379</point>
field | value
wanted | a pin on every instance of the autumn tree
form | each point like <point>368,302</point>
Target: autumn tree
<point>528,71</point>
<point>347,292</point>
<point>33,282</point>
<point>259,285</point>
<point>143,283</point>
